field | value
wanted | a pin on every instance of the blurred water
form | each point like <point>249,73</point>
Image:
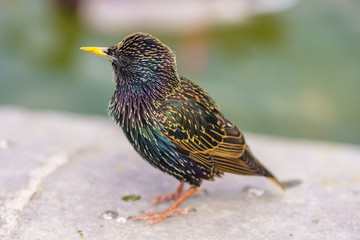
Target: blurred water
<point>291,74</point>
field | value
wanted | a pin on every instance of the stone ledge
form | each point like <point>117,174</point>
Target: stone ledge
<point>60,172</point>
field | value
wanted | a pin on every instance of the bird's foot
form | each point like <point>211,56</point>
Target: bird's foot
<point>155,217</point>
<point>179,191</point>
<point>199,190</point>
<point>159,198</point>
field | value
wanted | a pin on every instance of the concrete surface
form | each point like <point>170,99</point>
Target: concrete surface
<point>61,174</point>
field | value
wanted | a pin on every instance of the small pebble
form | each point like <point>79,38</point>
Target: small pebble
<point>121,220</point>
<point>254,191</point>
<point>108,215</point>
<point>131,197</point>
<point>5,144</point>
<point>315,221</point>
<point>80,233</point>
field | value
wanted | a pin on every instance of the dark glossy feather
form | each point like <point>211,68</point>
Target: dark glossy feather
<point>172,122</point>
<point>194,124</point>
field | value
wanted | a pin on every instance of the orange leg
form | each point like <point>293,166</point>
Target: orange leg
<point>159,198</point>
<point>155,217</point>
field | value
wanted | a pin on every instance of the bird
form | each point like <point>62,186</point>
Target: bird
<point>172,122</point>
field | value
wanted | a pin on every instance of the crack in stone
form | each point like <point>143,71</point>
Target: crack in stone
<point>12,208</point>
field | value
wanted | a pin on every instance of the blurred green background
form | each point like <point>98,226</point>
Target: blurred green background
<point>295,73</point>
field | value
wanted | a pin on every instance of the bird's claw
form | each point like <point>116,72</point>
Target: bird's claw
<point>155,217</point>
<point>159,198</point>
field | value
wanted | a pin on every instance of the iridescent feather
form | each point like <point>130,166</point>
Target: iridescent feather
<point>172,122</point>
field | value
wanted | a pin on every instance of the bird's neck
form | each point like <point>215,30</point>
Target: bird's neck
<point>133,102</point>
<point>130,107</point>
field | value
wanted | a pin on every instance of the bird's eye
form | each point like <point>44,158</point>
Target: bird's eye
<point>120,62</point>
<point>111,55</point>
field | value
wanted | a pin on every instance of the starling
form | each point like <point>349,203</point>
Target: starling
<point>171,121</point>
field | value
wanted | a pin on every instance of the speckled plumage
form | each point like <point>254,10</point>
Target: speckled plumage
<point>171,121</point>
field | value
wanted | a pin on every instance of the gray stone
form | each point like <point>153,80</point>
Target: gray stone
<point>59,173</point>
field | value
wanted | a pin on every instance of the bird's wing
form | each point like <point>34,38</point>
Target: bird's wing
<point>204,135</point>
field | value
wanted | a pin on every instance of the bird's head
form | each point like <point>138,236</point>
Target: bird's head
<point>141,62</point>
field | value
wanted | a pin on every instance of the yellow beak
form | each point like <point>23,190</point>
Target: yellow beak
<point>97,50</point>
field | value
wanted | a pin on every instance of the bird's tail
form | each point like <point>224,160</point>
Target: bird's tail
<point>260,168</point>
<point>274,180</point>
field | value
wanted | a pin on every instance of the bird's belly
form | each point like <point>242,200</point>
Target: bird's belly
<point>160,153</point>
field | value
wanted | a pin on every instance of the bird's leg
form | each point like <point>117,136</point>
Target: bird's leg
<point>155,217</point>
<point>159,198</point>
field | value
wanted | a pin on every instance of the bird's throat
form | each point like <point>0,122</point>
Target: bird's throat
<point>129,108</point>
